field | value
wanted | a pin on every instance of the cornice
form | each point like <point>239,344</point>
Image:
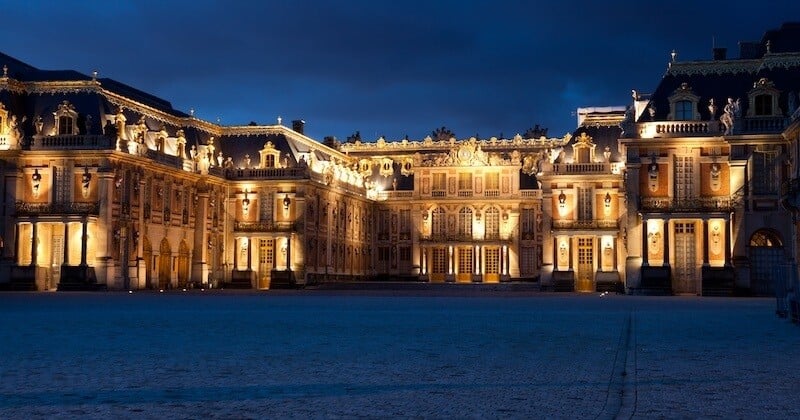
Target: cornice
<point>769,61</point>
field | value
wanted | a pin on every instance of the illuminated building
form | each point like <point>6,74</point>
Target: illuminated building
<point>107,186</point>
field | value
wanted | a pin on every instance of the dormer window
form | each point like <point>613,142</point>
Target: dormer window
<point>684,110</point>
<point>269,156</point>
<point>763,105</point>
<point>66,119</point>
<point>763,99</point>
<point>683,104</point>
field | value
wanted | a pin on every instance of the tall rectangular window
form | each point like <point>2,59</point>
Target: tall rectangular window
<point>585,204</point>
<point>684,178</point>
<point>764,173</point>
<point>684,111</point>
<point>439,185</point>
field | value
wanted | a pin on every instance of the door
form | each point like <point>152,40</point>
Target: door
<point>491,265</point>
<point>266,262</point>
<point>164,265</point>
<point>766,258</point>
<point>585,274</point>
<point>685,275</point>
<point>57,259</point>
<point>438,264</point>
<point>465,264</point>
<point>147,256</point>
<point>183,265</point>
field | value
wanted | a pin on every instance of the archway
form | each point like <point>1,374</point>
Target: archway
<point>766,260</point>
<point>164,265</point>
<point>183,264</point>
<point>147,255</point>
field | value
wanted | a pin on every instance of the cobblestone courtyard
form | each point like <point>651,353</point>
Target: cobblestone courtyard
<point>388,354</point>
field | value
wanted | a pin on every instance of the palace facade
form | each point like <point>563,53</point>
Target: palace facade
<point>689,190</point>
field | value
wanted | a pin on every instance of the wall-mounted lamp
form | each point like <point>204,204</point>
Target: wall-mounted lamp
<point>424,215</point>
<point>37,181</point>
<point>86,179</point>
<point>246,203</point>
<point>286,202</point>
<point>562,198</point>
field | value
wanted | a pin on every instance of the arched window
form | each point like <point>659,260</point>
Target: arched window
<point>438,225</point>
<point>765,238</point>
<point>492,223</point>
<point>465,222</point>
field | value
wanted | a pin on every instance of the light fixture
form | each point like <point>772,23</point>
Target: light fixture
<point>607,200</point>
<point>286,202</point>
<point>37,180</point>
<point>246,203</point>
<point>562,198</point>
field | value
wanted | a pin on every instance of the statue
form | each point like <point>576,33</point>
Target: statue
<point>14,128</point>
<point>712,110</point>
<point>220,159</point>
<point>229,163</point>
<point>38,124</point>
<point>730,113</point>
<point>193,153</point>
<point>88,124</point>
<point>181,141</point>
<point>119,122</point>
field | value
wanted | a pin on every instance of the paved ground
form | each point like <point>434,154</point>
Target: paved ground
<point>394,354</point>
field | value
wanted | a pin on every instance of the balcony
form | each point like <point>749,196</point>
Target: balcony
<point>267,173</point>
<point>577,168</point>
<point>585,224</point>
<point>42,209</point>
<point>72,142</point>
<point>463,237</point>
<point>764,124</point>
<point>661,129</point>
<point>688,205</point>
<point>169,160</point>
<point>386,195</point>
<point>263,227</point>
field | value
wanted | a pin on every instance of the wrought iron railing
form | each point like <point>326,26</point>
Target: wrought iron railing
<point>264,226</point>
<point>72,208</point>
<point>696,204</point>
<point>585,224</point>
<point>267,173</point>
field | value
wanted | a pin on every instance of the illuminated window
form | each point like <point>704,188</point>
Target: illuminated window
<point>465,222</point>
<point>585,204</point>
<point>493,181</point>
<point>465,181</point>
<point>270,161</point>
<point>491,264</point>
<point>438,227</point>
<point>492,223</point>
<point>465,263</point>
<point>439,185</point>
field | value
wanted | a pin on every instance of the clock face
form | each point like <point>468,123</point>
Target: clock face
<point>464,154</point>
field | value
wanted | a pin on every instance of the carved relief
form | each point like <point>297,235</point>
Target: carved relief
<point>714,175</point>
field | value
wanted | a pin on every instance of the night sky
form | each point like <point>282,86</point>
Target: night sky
<point>391,68</point>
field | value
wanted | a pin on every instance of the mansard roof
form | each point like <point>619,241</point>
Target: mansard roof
<point>775,58</point>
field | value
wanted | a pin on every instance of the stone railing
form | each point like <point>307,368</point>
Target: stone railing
<point>455,237</point>
<point>577,168</point>
<point>38,209</point>
<point>69,141</point>
<point>169,160</point>
<point>386,195</point>
<point>765,124</point>
<point>679,129</point>
<point>697,204</point>
<point>585,224</point>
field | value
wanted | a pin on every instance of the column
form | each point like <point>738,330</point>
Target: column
<point>34,234</point>
<point>249,254</point>
<point>477,259</point>
<point>645,250</point>
<point>289,252</point>
<point>235,253</point>
<point>571,247</point>
<point>705,242</point>
<point>666,243</point>
<point>16,243</point>
<point>84,240</point>
<point>66,243</point>
<point>599,247</point>
<point>555,253</point>
<point>507,260</point>
<point>727,227</point>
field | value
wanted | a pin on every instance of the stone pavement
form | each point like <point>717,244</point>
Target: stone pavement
<point>346,354</point>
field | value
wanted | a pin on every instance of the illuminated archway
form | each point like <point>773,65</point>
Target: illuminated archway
<point>164,264</point>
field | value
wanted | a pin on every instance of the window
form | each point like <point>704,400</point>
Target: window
<point>65,118</point>
<point>527,220</point>
<point>684,178</point>
<point>405,223</point>
<point>763,105</point>
<point>585,204</point>
<point>684,111</point>
<point>764,173</point>
<point>405,253</point>
<point>465,222</point>
<point>465,181</point>
<point>492,223</point>
<point>64,125</point>
<point>527,261</point>
<point>438,228</point>
<point>439,185</point>
<point>270,161</point>
<point>493,181</point>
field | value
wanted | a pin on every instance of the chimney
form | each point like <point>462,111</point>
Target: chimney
<point>720,54</point>
<point>298,126</point>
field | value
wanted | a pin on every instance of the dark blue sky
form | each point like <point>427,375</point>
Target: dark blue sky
<point>390,68</point>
